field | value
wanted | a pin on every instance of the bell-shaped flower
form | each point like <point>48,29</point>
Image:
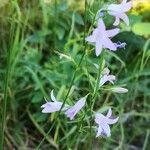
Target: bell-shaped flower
<point>71,112</point>
<point>106,77</point>
<point>53,106</point>
<point>104,122</point>
<point>101,38</point>
<point>119,10</point>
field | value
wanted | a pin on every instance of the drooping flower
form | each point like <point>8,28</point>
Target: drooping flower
<point>71,112</point>
<point>119,10</point>
<point>101,37</point>
<point>53,106</point>
<point>104,122</point>
<point>119,90</point>
<point>106,77</point>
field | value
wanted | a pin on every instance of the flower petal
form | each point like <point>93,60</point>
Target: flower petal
<point>71,112</point>
<point>112,121</point>
<point>120,8</point>
<point>99,118</point>
<point>98,48</point>
<point>101,25</point>
<point>44,105</point>
<point>90,38</point>
<point>109,44</point>
<point>51,107</point>
<point>111,78</point>
<point>113,32</point>
<point>106,130</point>
<point>117,21</point>
<point>109,113</point>
<point>126,6</point>
<point>103,80</point>
<point>99,131</point>
<point>52,96</point>
<point>125,18</point>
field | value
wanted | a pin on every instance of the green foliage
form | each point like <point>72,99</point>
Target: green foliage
<point>40,47</point>
<point>142,28</point>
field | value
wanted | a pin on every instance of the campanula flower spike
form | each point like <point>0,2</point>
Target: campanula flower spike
<point>104,122</point>
<point>105,77</point>
<point>55,105</point>
<point>101,38</point>
<point>71,112</point>
<point>119,10</point>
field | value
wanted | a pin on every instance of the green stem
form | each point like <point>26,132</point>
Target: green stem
<point>94,96</point>
<point>146,140</point>
<point>98,79</point>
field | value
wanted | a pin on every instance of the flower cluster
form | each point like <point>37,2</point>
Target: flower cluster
<point>100,38</point>
<point>55,105</point>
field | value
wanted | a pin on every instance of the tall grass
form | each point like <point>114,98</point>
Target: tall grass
<point>11,54</point>
<point>14,47</point>
<point>33,36</point>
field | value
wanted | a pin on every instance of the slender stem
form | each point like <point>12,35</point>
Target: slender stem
<point>146,140</point>
<point>98,79</point>
<point>72,81</point>
<point>94,96</point>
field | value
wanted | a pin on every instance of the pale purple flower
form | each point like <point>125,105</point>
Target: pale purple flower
<point>101,37</point>
<point>53,106</point>
<point>71,112</point>
<point>106,77</point>
<point>119,10</point>
<point>119,90</point>
<point>104,122</point>
<point>120,45</point>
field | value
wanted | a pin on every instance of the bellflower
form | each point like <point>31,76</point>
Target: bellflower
<point>106,77</point>
<point>53,106</point>
<point>104,122</point>
<point>118,10</point>
<point>101,37</point>
<point>71,112</point>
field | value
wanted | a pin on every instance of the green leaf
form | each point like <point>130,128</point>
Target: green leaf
<point>40,117</point>
<point>142,28</point>
<point>79,19</point>
<point>38,97</point>
<point>60,32</point>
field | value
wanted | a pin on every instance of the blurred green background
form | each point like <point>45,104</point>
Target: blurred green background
<point>34,36</point>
